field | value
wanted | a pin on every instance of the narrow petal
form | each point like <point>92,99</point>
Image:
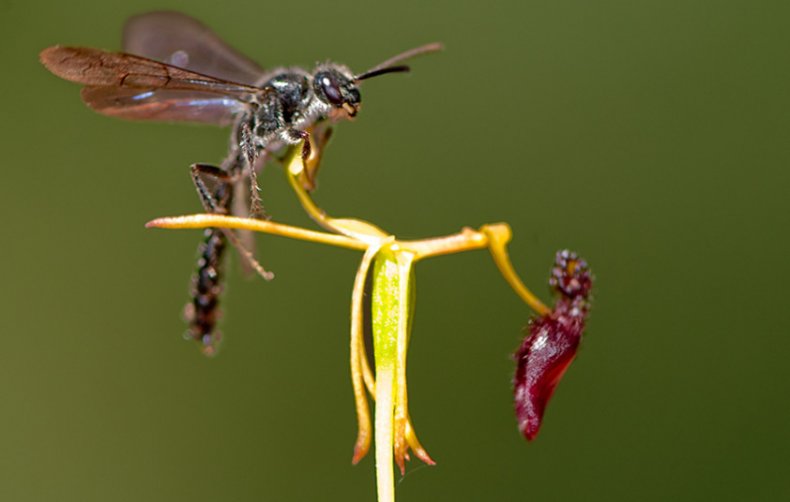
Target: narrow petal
<point>358,357</point>
<point>415,445</point>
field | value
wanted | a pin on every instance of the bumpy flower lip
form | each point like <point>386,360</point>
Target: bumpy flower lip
<point>570,276</point>
<point>551,345</point>
<point>542,360</point>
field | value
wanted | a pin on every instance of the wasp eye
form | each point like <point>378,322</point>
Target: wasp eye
<point>331,90</point>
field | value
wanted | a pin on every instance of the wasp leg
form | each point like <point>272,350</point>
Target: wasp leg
<point>294,136</point>
<point>219,202</point>
<point>210,204</point>
<point>250,154</point>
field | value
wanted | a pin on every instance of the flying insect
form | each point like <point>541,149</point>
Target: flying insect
<point>175,69</point>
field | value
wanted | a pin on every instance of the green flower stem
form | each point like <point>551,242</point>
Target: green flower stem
<point>361,375</point>
<point>389,320</point>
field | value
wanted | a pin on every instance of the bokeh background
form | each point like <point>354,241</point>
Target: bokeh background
<point>650,136</point>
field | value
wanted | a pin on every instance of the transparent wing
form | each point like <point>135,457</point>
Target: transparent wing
<point>96,67</point>
<point>137,88</point>
<point>179,40</point>
<point>162,105</point>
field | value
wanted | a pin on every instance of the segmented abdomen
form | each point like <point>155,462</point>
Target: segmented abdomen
<point>203,312</point>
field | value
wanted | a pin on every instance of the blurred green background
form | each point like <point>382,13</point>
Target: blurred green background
<point>650,136</point>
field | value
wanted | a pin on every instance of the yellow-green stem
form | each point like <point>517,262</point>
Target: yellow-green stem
<point>386,306</point>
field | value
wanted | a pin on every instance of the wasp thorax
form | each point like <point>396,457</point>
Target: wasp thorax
<point>336,89</point>
<point>293,90</point>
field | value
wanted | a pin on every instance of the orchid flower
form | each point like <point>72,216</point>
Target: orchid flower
<point>542,359</point>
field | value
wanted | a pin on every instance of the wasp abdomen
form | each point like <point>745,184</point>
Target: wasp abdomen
<point>203,312</point>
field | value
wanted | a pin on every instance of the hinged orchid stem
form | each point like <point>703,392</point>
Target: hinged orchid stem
<point>294,172</point>
<point>498,237</point>
<point>357,229</point>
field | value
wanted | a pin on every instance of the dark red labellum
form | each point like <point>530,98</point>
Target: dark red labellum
<point>551,345</point>
<point>542,360</point>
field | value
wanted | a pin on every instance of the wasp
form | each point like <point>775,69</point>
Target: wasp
<point>173,68</point>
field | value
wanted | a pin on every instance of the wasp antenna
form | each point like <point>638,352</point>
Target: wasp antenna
<point>382,71</point>
<point>391,62</point>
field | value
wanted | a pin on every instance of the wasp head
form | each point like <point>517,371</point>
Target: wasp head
<point>337,87</point>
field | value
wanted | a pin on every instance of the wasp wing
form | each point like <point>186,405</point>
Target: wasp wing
<point>133,87</point>
<point>162,105</point>
<point>179,40</point>
<point>96,67</point>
